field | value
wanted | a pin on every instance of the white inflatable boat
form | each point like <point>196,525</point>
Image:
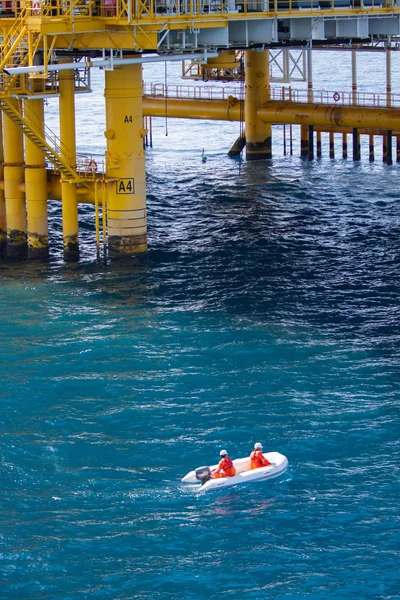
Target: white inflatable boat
<point>279,464</point>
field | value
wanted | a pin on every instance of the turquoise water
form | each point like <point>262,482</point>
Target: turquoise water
<point>265,310</point>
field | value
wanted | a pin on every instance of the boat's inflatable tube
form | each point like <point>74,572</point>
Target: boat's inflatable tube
<point>279,464</point>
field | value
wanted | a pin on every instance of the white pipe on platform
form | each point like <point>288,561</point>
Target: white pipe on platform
<point>110,63</point>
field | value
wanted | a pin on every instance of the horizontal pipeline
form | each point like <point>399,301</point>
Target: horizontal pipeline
<point>290,113</point>
<point>85,195</point>
<point>323,115</point>
<point>214,110</point>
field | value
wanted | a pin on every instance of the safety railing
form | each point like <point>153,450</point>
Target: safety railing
<point>87,165</point>
<point>191,92</point>
<point>128,10</point>
<point>13,38</point>
<point>179,7</point>
<point>42,130</point>
<point>347,98</point>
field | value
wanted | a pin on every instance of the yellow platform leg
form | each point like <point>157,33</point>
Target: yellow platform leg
<point>68,151</point>
<point>125,162</point>
<point>257,92</point>
<point>15,198</point>
<point>36,185</point>
<point>3,221</point>
<point>304,143</point>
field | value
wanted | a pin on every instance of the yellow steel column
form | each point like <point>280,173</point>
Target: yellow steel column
<point>304,141</point>
<point>15,198</point>
<point>3,222</point>
<point>344,145</point>
<point>319,144</point>
<point>356,145</point>
<point>125,162</point>
<point>36,185</point>
<point>331,144</point>
<point>68,151</point>
<point>257,93</point>
<point>310,142</point>
<point>371,147</point>
<point>384,148</point>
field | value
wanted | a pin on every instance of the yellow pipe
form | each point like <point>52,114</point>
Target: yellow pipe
<point>54,190</point>
<point>15,200</point>
<point>125,162</point>
<point>304,141</point>
<point>36,185</point>
<point>319,144</point>
<point>331,144</point>
<point>384,147</point>
<point>85,196</point>
<point>213,110</point>
<point>371,148</point>
<point>68,151</point>
<point>257,92</point>
<point>321,115</point>
<point>3,221</point>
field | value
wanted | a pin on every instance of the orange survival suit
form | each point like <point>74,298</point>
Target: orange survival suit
<point>225,468</point>
<point>257,460</point>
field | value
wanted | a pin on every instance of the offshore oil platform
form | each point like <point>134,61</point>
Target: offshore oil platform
<point>49,47</point>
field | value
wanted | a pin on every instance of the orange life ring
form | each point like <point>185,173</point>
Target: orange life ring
<point>92,166</point>
<point>36,7</point>
<point>336,96</point>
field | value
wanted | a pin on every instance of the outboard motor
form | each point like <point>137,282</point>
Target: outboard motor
<point>203,474</point>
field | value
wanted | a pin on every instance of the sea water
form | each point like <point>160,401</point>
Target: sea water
<point>266,309</point>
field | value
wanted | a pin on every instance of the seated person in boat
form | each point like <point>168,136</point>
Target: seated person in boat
<point>225,467</point>
<point>257,459</point>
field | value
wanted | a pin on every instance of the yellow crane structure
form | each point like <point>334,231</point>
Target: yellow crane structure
<point>48,48</point>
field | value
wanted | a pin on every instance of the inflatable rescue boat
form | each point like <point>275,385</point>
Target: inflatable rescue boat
<point>203,475</point>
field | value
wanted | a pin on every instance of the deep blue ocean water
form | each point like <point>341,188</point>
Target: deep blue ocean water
<point>266,309</point>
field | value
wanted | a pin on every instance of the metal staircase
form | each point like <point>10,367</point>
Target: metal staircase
<point>49,143</point>
<point>18,49</point>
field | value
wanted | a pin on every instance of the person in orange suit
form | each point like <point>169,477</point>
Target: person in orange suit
<point>225,467</point>
<point>257,459</point>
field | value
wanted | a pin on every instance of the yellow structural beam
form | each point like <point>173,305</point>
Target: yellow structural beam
<point>68,153</point>
<point>257,92</point>
<point>15,197</point>
<point>93,25</point>
<point>218,110</point>
<point>272,112</point>
<point>36,185</point>
<point>112,40</point>
<point>54,190</point>
<point>322,115</point>
<point>125,162</point>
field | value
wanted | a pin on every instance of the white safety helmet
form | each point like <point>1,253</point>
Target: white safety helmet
<point>258,446</point>
<point>223,453</point>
